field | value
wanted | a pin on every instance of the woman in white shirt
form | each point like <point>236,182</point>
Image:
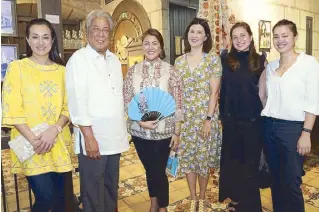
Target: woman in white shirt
<point>293,97</point>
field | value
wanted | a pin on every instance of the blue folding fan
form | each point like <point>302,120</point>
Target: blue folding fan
<point>151,104</point>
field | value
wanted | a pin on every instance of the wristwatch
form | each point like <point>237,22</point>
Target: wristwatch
<point>307,130</point>
<point>59,128</point>
<point>208,118</point>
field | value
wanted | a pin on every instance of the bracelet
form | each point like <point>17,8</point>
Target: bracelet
<point>306,130</point>
<point>59,128</point>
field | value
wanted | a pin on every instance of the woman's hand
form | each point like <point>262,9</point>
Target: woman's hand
<point>304,144</point>
<point>174,142</point>
<point>35,142</point>
<point>150,125</point>
<point>205,130</point>
<point>47,138</point>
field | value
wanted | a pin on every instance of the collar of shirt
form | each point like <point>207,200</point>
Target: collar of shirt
<point>154,63</point>
<point>275,65</point>
<point>95,55</point>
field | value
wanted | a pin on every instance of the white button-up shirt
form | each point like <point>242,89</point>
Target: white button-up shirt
<point>295,92</point>
<point>95,97</point>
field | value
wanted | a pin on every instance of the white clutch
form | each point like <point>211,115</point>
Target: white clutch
<point>22,147</point>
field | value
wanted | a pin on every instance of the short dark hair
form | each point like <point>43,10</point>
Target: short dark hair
<point>54,51</point>
<point>284,22</point>
<point>208,43</point>
<point>158,35</point>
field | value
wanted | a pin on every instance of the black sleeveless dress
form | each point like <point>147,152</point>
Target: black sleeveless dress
<point>240,108</point>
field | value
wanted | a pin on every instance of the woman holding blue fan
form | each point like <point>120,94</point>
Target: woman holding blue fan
<point>153,99</point>
<point>201,133</point>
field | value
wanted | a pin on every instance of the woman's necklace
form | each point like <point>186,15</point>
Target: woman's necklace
<point>285,66</point>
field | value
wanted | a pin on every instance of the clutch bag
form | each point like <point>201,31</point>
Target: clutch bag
<point>172,164</point>
<point>22,147</point>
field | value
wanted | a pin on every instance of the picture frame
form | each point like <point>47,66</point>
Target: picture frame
<point>178,45</point>
<point>9,52</point>
<point>183,45</point>
<point>264,35</point>
<point>8,18</point>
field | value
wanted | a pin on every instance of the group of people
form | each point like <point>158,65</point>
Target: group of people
<point>228,109</point>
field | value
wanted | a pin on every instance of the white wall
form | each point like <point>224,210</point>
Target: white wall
<point>251,11</point>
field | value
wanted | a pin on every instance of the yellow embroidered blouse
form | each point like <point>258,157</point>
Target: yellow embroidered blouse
<point>34,94</point>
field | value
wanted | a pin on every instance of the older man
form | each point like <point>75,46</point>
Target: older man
<point>94,86</point>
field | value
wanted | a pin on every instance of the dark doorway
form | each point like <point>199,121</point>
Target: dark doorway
<point>179,17</point>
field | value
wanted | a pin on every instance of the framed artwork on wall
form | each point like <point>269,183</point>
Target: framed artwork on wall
<point>264,35</point>
<point>8,18</point>
<point>9,52</point>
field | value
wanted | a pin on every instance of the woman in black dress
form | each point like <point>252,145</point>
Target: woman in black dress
<point>241,101</point>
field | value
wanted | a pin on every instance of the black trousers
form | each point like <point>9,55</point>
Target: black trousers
<point>285,164</point>
<point>240,158</point>
<point>154,155</point>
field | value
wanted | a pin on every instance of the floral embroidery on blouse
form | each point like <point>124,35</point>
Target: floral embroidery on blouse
<point>154,74</point>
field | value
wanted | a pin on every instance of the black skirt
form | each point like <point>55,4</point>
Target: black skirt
<point>240,159</point>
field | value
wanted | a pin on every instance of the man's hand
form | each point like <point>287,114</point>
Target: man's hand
<point>92,148</point>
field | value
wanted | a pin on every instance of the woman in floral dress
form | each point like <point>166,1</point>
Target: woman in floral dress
<point>201,133</point>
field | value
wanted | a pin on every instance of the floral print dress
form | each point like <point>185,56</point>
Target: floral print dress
<point>196,154</point>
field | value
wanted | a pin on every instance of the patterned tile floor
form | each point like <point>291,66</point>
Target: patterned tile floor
<point>133,195</point>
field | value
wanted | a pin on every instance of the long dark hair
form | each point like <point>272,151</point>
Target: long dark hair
<point>54,51</point>
<point>208,43</point>
<point>158,35</point>
<point>254,57</point>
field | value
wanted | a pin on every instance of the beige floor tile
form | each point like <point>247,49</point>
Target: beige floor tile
<point>134,167</point>
<point>310,208</point>
<point>178,184</point>
<point>266,202</point>
<point>76,182</point>
<point>22,195</point>
<point>124,174</point>
<point>145,195</point>
<point>306,178</point>
<point>177,195</point>
<point>127,210</point>
<point>24,203</point>
<point>185,190</point>
<point>266,192</point>
<point>209,185</point>
<point>172,188</point>
<point>143,207</point>
<point>312,174</point>
<point>133,200</point>
<point>314,182</point>
<point>76,189</point>
<point>131,171</point>
<point>122,205</point>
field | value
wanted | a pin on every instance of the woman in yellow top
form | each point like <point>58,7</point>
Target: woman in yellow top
<point>34,93</point>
